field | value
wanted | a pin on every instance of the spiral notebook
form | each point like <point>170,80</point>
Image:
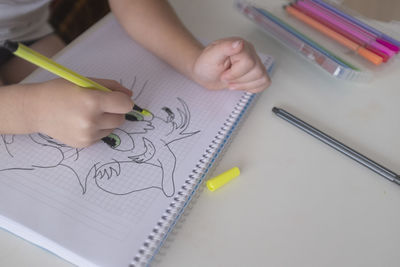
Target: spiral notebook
<point>114,203</point>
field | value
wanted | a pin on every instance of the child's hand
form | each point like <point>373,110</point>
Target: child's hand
<point>231,63</point>
<point>73,115</point>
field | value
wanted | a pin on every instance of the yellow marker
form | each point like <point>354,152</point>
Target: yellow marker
<point>46,63</point>
<point>222,179</point>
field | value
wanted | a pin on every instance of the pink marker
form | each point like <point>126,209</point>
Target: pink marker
<point>383,55</point>
<point>383,38</point>
<point>351,24</point>
<point>346,19</point>
<point>388,45</point>
<point>344,28</point>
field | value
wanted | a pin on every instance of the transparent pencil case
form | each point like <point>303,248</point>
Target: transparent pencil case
<point>331,57</point>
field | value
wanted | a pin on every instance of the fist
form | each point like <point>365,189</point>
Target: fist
<point>231,63</point>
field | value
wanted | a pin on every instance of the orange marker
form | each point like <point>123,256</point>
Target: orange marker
<point>374,58</point>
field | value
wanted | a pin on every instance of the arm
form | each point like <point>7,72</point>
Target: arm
<point>12,110</point>
<point>154,25</point>
<point>227,63</point>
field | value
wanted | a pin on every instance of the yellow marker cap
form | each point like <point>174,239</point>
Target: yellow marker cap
<point>222,179</point>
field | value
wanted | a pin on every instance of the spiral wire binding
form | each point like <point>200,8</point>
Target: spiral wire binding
<point>175,209</point>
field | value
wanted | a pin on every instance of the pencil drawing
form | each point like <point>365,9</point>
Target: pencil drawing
<point>142,141</point>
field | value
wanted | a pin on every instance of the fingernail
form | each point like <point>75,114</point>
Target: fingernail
<point>236,43</point>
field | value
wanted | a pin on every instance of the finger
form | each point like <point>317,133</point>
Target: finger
<point>262,84</point>
<point>239,68</point>
<point>110,121</point>
<point>101,134</point>
<point>257,90</point>
<point>90,140</point>
<point>113,85</point>
<point>115,102</point>
<point>254,74</point>
<point>219,51</point>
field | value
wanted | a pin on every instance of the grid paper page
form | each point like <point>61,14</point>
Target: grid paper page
<point>97,205</point>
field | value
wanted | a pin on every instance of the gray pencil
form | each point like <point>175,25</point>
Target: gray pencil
<point>388,174</point>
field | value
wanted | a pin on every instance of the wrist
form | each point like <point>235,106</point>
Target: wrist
<point>30,107</point>
<point>191,65</point>
<point>14,110</point>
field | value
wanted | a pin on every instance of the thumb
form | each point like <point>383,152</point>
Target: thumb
<point>220,51</point>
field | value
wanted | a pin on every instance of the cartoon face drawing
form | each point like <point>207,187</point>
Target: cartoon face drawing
<point>143,140</point>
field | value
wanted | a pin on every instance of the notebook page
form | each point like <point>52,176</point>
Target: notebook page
<point>98,204</point>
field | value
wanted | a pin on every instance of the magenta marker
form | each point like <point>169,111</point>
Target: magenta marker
<point>384,56</point>
<point>345,29</point>
<point>380,35</point>
<point>343,20</point>
<point>388,45</point>
<point>346,19</point>
<point>335,19</point>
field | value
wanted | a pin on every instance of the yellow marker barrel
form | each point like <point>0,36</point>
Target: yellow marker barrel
<point>52,66</point>
<point>220,180</point>
<point>46,63</point>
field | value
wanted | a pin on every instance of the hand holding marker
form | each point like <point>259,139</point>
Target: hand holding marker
<point>42,61</point>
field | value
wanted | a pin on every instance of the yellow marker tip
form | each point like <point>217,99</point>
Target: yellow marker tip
<point>146,112</point>
<point>222,179</point>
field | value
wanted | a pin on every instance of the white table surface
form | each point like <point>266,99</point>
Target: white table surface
<point>297,201</point>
